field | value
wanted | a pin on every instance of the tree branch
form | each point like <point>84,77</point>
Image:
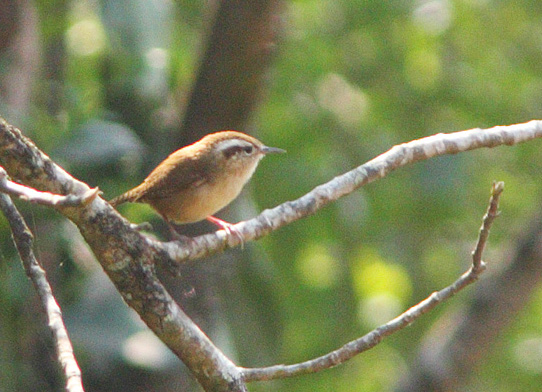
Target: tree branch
<point>44,198</point>
<point>448,361</point>
<point>379,167</point>
<point>23,241</point>
<point>238,50</point>
<point>374,337</point>
<point>129,258</point>
<point>491,214</point>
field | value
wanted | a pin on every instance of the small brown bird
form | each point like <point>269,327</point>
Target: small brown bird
<point>198,180</point>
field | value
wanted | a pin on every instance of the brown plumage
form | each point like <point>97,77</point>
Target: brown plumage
<point>198,180</point>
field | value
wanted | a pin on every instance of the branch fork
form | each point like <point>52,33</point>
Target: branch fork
<point>129,257</point>
<point>45,198</point>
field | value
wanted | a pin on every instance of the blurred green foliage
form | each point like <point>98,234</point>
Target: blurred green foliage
<point>351,78</point>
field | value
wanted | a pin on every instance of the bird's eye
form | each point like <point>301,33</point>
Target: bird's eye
<point>237,150</point>
<point>248,149</point>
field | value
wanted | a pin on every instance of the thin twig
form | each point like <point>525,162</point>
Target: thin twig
<point>45,198</point>
<point>489,217</point>
<point>374,337</point>
<point>446,362</point>
<point>23,241</point>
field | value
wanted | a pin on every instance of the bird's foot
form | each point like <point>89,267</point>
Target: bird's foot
<point>228,228</point>
<point>174,235</point>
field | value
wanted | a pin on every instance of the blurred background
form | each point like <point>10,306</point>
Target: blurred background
<point>109,88</point>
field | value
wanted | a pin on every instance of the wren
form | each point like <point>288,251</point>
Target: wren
<point>196,181</point>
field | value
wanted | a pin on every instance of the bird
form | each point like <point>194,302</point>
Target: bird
<point>198,180</point>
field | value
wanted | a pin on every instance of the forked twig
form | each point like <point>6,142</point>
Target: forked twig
<point>374,337</point>
<point>45,198</point>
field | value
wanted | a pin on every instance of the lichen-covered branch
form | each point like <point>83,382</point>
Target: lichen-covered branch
<point>23,240</point>
<point>126,257</point>
<point>44,198</point>
<point>374,337</point>
<point>25,163</point>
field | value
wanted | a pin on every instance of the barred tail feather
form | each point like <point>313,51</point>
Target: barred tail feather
<point>131,196</point>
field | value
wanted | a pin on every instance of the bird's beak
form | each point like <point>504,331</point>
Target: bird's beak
<point>272,150</point>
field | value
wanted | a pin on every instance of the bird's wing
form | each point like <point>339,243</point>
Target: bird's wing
<point>173,176</point>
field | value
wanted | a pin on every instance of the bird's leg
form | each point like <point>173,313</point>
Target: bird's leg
<point>227,227</point>
<point>174,235</point>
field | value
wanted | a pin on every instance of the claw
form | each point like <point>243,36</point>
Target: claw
<point>228,228</point>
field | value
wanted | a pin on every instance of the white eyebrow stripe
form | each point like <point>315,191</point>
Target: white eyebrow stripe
<point>227,144</point>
